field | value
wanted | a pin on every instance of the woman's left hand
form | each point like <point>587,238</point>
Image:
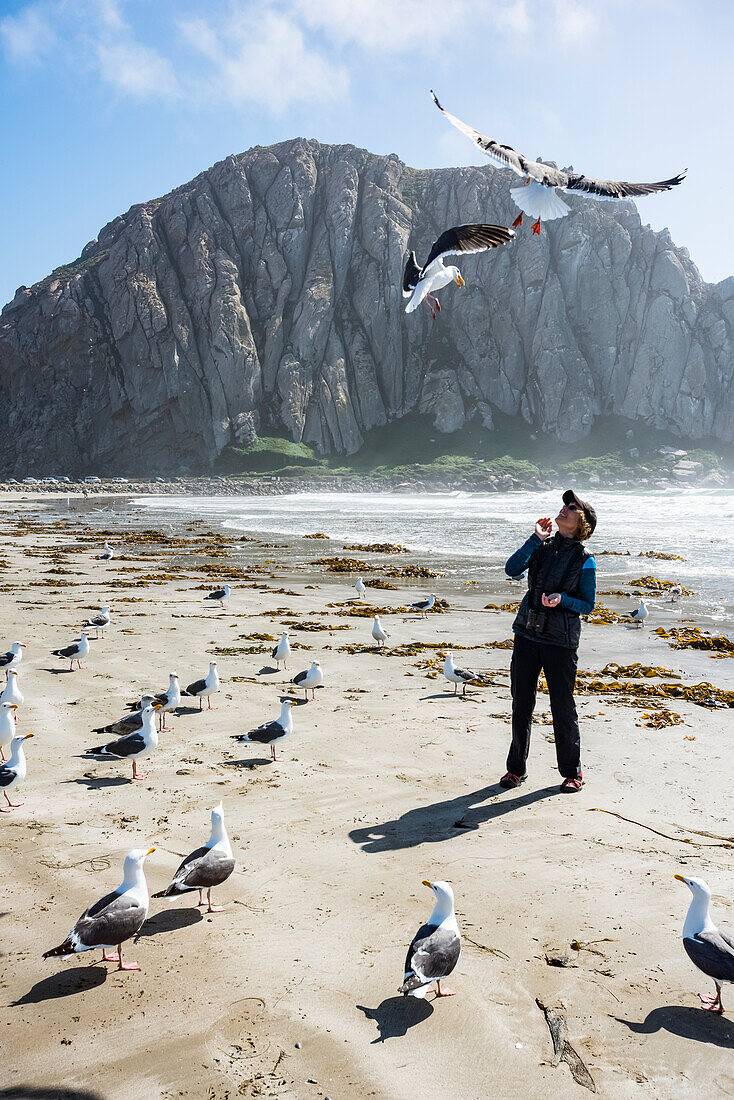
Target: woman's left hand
<point>551,601</point>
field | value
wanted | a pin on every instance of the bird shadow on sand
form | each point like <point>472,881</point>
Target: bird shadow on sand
<point>688,1023</point>
<point>396,1015</point>
<point>268,670</point>
<point>258,762</point>
<point>171,920</point>
<point>468,698</point>
<point>94,783</point>
<point>438,821</point>
<point>181,712</point>
<point>64,984</point>
<point>60,671</point>
<point>30,1092</point>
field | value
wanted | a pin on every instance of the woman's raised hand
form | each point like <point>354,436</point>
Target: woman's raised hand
<point>544,527</point>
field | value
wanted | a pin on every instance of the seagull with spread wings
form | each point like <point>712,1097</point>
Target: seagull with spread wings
<point>420,282</point>
<point>538,196</point>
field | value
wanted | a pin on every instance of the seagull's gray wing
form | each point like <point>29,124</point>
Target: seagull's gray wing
<point>713,953</point>
<point>411,275</point>
<point>505,156</point>
<point>618,189</point>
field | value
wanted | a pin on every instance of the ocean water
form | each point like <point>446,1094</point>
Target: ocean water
<point>471,534</point>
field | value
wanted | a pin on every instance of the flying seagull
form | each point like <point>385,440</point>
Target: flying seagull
<point>708,948</point>
<point>419,282</point>
<point>75,651</point>
<point>219,595</point>
<point>455,675</point>
<point>270,733</point>
<point>435,949</point>
<point>13,772</point>
<point>113,919</point>
<point>12,658</point>
<point>538,196</point>
<point>309,679</point>
<point>204,689</point>
<point>206,867</point>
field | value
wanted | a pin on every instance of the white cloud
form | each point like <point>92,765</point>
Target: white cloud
<point>28,35</point>
<point>135,69</point>
<point>574,21</point>
<point>262,59</point>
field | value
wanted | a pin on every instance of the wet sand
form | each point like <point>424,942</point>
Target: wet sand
<point>332,843</point>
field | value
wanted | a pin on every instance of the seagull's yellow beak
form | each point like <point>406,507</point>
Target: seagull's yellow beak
<point>679,877</point>
<point>14,706</point>
<point>425,882</point>
<point>28,735</point>
<point>150,851</point>
<point>157,706</point>
<point>460,281</point>
<point>22,645</point>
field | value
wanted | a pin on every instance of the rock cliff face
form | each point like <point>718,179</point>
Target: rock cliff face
<point>268,292</point>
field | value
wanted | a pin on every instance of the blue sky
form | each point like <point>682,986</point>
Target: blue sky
<point>106,103</point>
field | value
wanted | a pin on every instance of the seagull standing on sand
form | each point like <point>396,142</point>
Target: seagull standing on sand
<point>378,632</point>
<point>675,593</point>
<point>270,733</point>
<point>113,919</point>
<point>134,746</point>
<point>640,614</point>
<point>537,196</point>
<point>99,622</point>
<point>708,948</point>
<point>419,283</point>
<point>309,679</point>
<point>219,595</point>
<point>13,772</point>
<point>168,700</point>
<point>206,867</point>
<point>75,651</point>
<point>12,658</point>
<point>455,675</point>
<point>423,606</point>
<point>360,588</point>
<point>7,726</point>
<point>435,949</point>
<point>282,651</point>
<point>108,553</point>
<point>204,689</point>
<point>11,692</point>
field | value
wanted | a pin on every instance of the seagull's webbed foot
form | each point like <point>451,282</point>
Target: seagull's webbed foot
<point>212,908</point>
<point>444,992</point>
<point>113,958</point>
<point>127,966</point>
<point>518,221</point>
<point>711,1003</point>
<point>536,228</point>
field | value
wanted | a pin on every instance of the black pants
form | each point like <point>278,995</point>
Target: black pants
<point>559,665</point>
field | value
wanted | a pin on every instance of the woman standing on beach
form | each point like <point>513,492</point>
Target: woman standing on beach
<point>561,588</point>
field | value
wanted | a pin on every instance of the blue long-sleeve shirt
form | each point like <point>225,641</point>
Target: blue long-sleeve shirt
<point>518,562</point>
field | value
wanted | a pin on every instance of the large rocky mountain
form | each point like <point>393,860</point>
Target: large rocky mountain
<point>267,292</point>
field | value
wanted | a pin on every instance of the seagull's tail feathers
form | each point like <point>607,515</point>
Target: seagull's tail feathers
<point>172,890</point>
<point>415,301</point>
<point>539,201</point>
<point>64,950</point>
<point>414,986</point>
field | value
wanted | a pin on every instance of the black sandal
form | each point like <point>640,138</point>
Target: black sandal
<point>571,784</point>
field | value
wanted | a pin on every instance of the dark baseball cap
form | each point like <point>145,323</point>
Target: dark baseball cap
<point>569,497</point>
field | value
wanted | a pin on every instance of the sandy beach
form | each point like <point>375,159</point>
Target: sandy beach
<point>332,841</point>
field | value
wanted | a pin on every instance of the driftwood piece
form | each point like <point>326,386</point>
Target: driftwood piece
<point>562,1049</point>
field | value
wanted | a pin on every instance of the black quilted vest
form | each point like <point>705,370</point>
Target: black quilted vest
<point>554,567</point>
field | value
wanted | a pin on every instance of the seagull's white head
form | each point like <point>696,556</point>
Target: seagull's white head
<point>456,275</point>
<point>172,676</point>
<point>19,740</point>
<point>444,896</point>
<point>218,815</point>
<point>16,647</point>
<point>315,664</point>
<point>12,672</point>
<point>134,861</point>
<point>697,886</point>
<point>10,706</point>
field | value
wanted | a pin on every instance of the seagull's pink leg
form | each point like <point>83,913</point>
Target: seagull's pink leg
<point>201,897</point>
<point>125,966</point>
<point>444,992</point>
<point>113,958</point>
<point>213,908</point>
<point>712,1004</point>
<point>136,773</point>
<point>10,805</point>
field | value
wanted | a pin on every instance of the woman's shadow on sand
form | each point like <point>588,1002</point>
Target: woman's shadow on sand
<point>444,820</point>
<point>396,1015</point>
